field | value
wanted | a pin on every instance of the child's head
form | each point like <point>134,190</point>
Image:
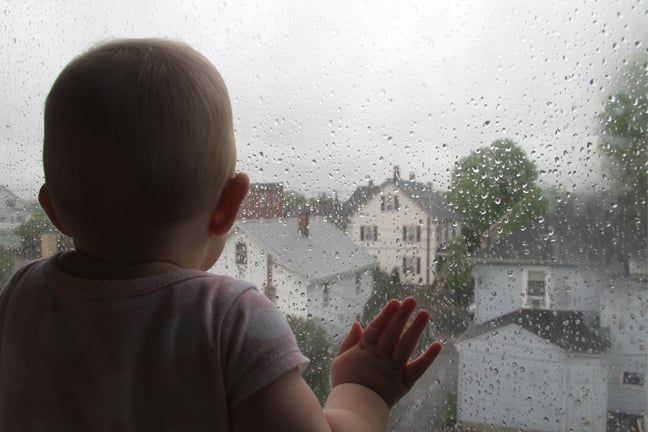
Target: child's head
<point>138,137</point>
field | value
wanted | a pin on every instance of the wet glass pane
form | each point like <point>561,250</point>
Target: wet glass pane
<point>488,158</point>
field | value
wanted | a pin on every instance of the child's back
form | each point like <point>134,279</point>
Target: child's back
<point>127,332</point>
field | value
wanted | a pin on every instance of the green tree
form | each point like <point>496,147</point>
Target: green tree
<point>623,139</point>
<point>386,287</point>
<point>456,275</point>
<point>32,231</point>
<point>294,203</point>
<point>314,343</point>
<point>7,263</point>
<point>495,184</point>
<point>624,129</point>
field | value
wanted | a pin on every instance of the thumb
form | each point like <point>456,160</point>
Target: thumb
<point>352,338</point>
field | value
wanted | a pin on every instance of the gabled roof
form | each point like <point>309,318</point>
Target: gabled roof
<point>570,330</point>
<point>432,202</point>
<point>558,239</point>
<point>359,198</point>
<point>326,253</point>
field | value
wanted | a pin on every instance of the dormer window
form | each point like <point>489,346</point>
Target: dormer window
<point>389,202</point>
<point>535,290</point>
<point>241,253</point>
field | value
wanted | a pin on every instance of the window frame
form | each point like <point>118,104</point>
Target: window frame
<point>369,233</point>
<point>628,385</point>
<point>412,233</point>
<point>241,253</point>
<point>528,301</point>
<point>411,265</point>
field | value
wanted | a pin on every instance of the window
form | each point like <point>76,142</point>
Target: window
<point>411,265</point>
<point>535,290</point>
<point>369,232</point>
<point>411,233</point>
<point>241,253</point>
<point>634,379</point>
<point>389,203</point>
<point>326,295</point>
<point>329,98</point>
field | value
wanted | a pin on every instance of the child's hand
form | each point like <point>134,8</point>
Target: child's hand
<point>378,356</point>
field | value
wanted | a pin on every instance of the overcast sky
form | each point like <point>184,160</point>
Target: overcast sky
<point>329,94</point>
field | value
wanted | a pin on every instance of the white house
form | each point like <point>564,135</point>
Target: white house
<point>307,266</point>
<point>559,336</point>
<point>404,224</point>
<point>13,213</point>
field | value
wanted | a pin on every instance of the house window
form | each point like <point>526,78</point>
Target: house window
<point>389,202</point>
<point>411,233</point>
<point>441,233</point>
<point>535,290</point>
<point>326,295</point>
<point>634,379</point>
<point>369,232</point>
<point>411,265</point>
<point>241,253</point>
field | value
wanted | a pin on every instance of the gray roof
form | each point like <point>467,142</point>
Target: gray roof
<point>571,330</point>
<point>359,198</point>
<point>431,201</point>
<point>561,238</point>
<point>325,254</point>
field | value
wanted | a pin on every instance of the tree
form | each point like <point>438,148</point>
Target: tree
<point>7,263</point>
<point>32,231</point>
<point>294,203</point>
<point>314,343</point>
<point>386,287</point>
<point>624,129</point>
<point>623,139</point>
<point>495,184</point>
<point>456,275</point>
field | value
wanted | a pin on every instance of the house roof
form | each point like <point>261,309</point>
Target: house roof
<point>359,198</point>
<point>430,201</point>
<point>326,253</point>
<point>573,331</point>
<point>558,239</point>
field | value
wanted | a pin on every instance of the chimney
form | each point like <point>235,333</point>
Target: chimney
<point>371,183</point>
<point>396,174</point>
<point>412,176</point>
<point>304,220</point>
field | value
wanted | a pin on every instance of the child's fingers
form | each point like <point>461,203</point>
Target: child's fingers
<point>376,327</point>
<point>352,338</point>
<point>410,338</point>
<point>416,368</point>
<point>392,334</point>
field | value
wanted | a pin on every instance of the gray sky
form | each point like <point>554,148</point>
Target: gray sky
<point>328,94</point>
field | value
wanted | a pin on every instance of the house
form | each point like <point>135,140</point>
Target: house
<point>559,335</point>
<point>306,265</point>
<point>13,213</point>
<point>405,224</point>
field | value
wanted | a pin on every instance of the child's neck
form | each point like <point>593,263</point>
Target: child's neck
<point>80,264</point>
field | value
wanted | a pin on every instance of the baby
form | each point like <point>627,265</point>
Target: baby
<point>128,332</point>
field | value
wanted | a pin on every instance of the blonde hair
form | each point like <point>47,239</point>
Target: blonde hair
<point>137,128</point>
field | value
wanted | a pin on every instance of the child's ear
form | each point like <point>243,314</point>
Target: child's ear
<point>46,204</point>
<point>228,206</point>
